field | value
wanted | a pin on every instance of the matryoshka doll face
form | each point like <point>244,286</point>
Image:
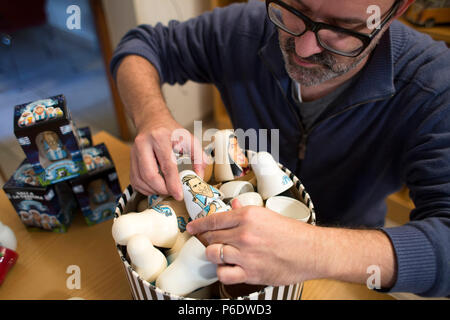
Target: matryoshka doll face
<point>39,110</point>
<point>98,191</point>
<point>50,112</point>
<point>87,158</point>
<point>45,218</point>
<point>36,216</point>
<point>99,161</point>
<point>31,181</point>
<point>58,112</point>
<point>53,221</point>
<point>26,217</point>
<point>30,178</point>
<point>236,153</point>
<point>45,222</point>
<point>26,119</point>
<point>200,187</point>
<point>52,140</point>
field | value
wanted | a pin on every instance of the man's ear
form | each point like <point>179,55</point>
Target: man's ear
<point>403,7</point>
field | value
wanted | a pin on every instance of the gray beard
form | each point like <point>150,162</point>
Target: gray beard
<point>328,68</point>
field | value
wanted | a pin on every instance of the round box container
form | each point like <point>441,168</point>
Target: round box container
<point>143,290</point>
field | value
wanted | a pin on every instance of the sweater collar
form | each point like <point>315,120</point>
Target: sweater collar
<point>376,79</point>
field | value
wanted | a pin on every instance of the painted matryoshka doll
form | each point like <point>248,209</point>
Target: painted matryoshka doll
<point>53,147</point>
<point>101,161</point>
<point>26,218</point>
<point>201,198</point>
<point>36,217</point>
<point>230,161</point>
<point>39,112</point>
<point>98,191</point>
<point>27,175</point>
<point>26,119</point>
<point>54,112</point>
<point>89,161</point>
<point>45,222</point>
<point>54,222</point>
<point>237,158</point>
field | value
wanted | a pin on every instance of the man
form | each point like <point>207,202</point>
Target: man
<point>361,111</point>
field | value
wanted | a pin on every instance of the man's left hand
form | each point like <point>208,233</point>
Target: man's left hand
<point>259,246</point>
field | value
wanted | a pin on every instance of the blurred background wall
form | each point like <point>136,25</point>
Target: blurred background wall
<point>191,101</point>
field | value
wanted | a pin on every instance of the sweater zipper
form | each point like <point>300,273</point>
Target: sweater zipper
<point>302,144</point>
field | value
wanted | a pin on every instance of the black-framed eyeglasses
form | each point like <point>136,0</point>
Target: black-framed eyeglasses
<point>338,40</point>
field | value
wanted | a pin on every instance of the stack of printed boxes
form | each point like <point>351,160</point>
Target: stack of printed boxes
<point>62,170</point>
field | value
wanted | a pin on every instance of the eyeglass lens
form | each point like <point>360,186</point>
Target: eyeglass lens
<point>330,39</point>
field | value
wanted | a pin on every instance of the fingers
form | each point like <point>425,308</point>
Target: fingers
<point>231,236</point>
<point>235,204</point>
<point>228,271</point>
<point>135,178</point>
<point>216,221</point>
<point>183,142</point>
<point>157,147</point>
<point>230,254</point>
<point>231,274</point>
<point>198,157</point>
<point>169,169</point>
<point>148,173</point>
<point>147,152</point>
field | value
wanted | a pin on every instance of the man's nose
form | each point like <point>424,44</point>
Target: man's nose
<point>307,45</point>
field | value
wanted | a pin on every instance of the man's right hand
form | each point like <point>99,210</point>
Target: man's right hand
<point>153,162</point>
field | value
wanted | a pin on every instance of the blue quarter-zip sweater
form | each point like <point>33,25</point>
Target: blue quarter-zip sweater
<point>392,127</point>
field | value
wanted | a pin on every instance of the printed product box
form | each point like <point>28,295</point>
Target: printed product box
<point>98,190</point>
<point>85,137</point>
<point>49,208</point>
<point>46,132</point>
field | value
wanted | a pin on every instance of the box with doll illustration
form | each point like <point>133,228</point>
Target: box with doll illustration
<point>47,135</point>
<point>49,208</point>
<point>97,191</point>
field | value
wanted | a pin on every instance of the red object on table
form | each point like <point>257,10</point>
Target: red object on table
<point>19,14</point>
<point>7,259</point>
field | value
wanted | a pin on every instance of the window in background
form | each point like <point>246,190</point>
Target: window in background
<point>46,56</point>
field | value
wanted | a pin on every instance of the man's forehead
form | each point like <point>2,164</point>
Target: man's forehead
<point>194,180</point>
<point>351,11</point>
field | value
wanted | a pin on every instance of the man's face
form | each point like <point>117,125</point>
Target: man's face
<point>236,153</point>
<point>200,187</point>
<point>305,60</point>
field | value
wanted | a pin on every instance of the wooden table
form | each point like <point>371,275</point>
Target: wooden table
<point>40,272</point>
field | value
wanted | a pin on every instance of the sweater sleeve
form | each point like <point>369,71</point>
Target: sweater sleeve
<point>422,246</point>
<point>196,49</point>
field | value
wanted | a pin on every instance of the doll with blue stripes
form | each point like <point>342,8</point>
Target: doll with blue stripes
<point>53,147</point>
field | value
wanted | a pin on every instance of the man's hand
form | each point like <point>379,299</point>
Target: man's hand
<point>153,162</point>
<point>261,246</point>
